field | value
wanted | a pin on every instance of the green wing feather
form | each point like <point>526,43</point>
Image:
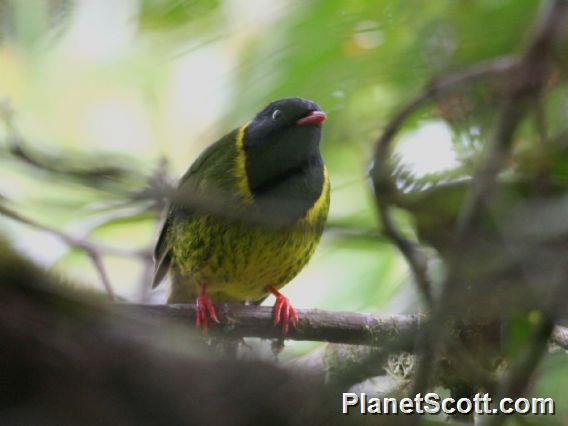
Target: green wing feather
<point>162,255</point>
<point>213,163</point>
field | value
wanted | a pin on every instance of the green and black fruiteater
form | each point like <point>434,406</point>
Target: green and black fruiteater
<point>249,213</point>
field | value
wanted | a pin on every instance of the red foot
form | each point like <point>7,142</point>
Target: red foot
<point>283,310</point>
<point>205,310</point>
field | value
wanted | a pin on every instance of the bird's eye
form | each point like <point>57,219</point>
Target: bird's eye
<point>276,114</point>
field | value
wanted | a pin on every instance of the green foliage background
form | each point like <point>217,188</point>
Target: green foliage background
<point>136,80</point>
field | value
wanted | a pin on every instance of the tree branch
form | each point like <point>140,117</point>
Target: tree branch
<point>525,87</point>
<point>380,172</point>
<point>396,333</point>
<point>527,79</point>
<point>93,250</point>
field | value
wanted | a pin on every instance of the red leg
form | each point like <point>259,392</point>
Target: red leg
<point>205,310</point>
<point>283,310</point>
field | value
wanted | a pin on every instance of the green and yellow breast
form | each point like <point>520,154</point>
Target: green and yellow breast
<point>238,260</point>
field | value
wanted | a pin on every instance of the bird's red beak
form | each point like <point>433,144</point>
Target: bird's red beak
<point>314,117</point>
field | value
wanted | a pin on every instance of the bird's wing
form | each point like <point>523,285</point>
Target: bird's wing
<point>162,251</point>
<point>162,254</point>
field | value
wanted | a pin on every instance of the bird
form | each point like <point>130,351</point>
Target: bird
<point>248,214</point>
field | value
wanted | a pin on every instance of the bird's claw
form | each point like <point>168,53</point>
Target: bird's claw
<point>205,311</point>
<point>283,311</point>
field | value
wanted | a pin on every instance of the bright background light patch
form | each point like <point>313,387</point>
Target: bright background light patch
<point>428,149</point>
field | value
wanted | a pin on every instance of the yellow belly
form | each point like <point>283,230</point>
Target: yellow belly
<point>236,260</point>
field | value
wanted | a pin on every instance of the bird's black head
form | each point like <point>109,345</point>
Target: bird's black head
<point>282,139</point>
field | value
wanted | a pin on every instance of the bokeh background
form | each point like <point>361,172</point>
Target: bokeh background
<point>146,84</point>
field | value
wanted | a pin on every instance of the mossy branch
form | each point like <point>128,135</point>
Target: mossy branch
<point>393,333</point>
<point>396,332</point>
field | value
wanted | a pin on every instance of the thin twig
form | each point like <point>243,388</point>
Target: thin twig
<point>414,256</point>
<point>99,266</point>
<point>78,242</point>
<point>93,250</point>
